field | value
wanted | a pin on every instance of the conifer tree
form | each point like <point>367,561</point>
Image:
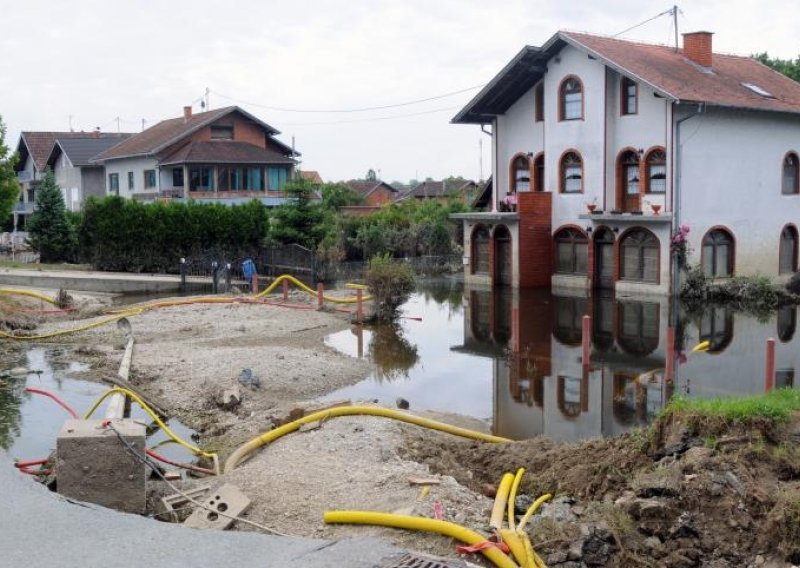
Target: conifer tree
<point>49,230</point>
<point>9,188</point>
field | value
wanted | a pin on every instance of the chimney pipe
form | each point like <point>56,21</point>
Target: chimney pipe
<point>187,113</point>
<point>697,47</point>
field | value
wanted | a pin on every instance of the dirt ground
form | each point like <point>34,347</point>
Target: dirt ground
<point>675,495</point>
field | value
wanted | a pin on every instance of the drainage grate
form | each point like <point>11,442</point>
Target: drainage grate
<point>421,561</point>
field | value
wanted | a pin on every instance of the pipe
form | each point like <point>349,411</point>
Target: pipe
<point>444,528</point>
<point>156,456</point>
<point>60,402</point>
<point>531,510</point>
<point>516,546</point>
<point>500,499</point>
<point>267,437</point>
<point>31,293</point>
<point>512,497</point>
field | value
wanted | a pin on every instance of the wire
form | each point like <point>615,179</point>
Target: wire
<point>664,13</point>
<point>375,119</point>
<point>172,486</point>
<point>58,401</point>
<point>363,109</point>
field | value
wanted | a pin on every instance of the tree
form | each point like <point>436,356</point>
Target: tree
<point>790,68</point>
<point>298,220</point>
<point>371,175</point>
<point>49,229</point>
<point>338,195</point>
<point>9,187</point>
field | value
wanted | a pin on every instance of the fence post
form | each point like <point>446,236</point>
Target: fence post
<point>254,283</point>
<point>285,290</point>
<point>320,295</point>
<point>228,277</point>
<point>360,303</point>
<point>769,371</point>
<point>669,369</point>
<point>183,274</point>
<point>586,340</point>
<point>214,277</point>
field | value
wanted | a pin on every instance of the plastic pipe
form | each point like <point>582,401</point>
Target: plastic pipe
<point>60,402</point>
<point>512,497</point>
<point>516,546</point>
<point>531,510</point>
<point>500,499</point>
<point>267,437</point>
<point>445,528</point>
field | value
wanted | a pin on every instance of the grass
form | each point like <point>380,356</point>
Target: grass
<point>39,266</point>
<point>777,405</point>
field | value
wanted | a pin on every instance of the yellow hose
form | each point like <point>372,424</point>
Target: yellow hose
<point>498,510</point>
<point>246,449</point>
<point>516,546</point>
<point>512,497</point>
<point>307,290</point>
<point>534,561</point>
<point>153,415</point>
<point>531,510</point>
<point>31,293</point>
<point>84,327</point>
<point>445,528</point>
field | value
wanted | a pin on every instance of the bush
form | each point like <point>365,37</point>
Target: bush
<point>391,283</point>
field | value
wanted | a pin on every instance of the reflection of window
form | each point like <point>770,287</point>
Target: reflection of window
<point>717,256</point>
<point>639,251</point>
<point>480,312</point>
<point>522,174</point>
<point>571,93</point>
<point>569,313</point>
<point>784,378</point>
<point>572,248</point>
<point>571,173</point>
<point>568,396</point>
<point>480,250</point>
<point>624,405</point>
<point>638,327</point>
<point>788,251</point>
<point>716,327</point>
<point>656,172</point>
<point>787,323</point>
<point>603,323</point>
<point>629,173</point>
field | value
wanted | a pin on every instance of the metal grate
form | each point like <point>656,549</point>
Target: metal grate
<point>421,561</point>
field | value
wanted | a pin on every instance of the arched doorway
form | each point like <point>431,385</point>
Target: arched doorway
<point>603,258</point>
<point>502,256</point>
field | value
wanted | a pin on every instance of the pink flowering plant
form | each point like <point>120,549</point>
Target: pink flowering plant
<point>680,246</point>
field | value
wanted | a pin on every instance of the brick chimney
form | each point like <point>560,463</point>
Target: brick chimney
<point>187,113</point>
<point>697,47</point>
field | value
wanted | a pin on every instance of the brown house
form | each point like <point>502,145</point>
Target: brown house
<point>374,192</point>
<point>445,190</point>
<point>224,155</point>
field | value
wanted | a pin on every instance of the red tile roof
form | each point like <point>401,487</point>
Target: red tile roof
<point>224,152</point>
<point>39,144</point>
<point>671,73</point>
<point>365,187</point>
<point>431,189</point>
<point>312,176</point>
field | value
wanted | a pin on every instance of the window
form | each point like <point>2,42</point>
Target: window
<point>113,183</point>
<point>629,173</point>
<point>628,96</point>
<point>638,327</point>
<point>277,178</point>
<point>717,255</point>
<point>788,251</point>
<point>571,173</point>
<point>789,185</point>
<point>521,172</point>
<point>222,132</point>
<point>177,177</point>
<point>571,97</point>
<point>200,178</point>
<point>570,393</point>
<point>539,102</point>
<point>639,256</point>
<point>656,173</point>
<point>130,181</point>
<point>149,179</point>
<point>480,250</point>
<point>569,312</point>
<point>572,248</point>
<point>538,173</point>
<point>716,327</point>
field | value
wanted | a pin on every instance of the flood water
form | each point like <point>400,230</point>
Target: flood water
<point>515,358</point>
<point>29,423</point>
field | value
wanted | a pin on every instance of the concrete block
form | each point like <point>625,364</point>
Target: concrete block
<point>226,499</point>
<point>93,465</point>
<point>169,504</point>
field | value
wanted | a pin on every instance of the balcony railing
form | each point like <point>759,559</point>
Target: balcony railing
<point>24,208</point>
<point>24,177</point>
<point>171,193</point>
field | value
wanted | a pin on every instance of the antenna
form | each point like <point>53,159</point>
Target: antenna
<point>675,22</point>
<point>118,130</point>
<point>143,123</point>
<point>208,98</point>
<point>70,124</point>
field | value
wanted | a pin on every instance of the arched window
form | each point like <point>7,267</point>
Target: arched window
<point>521,169</point>
<point>717,255</point>
<point>569,395</point>
<point>791,176</point>
<point>639,256</point>
<point>656,172</point>
<point>480,250</point>
<point>572,248</point>
<point>629,173</point>
<point>571,98</point>
<point>628,96</point>
<point>568,319</point>
<point>638,327</point>
<point>716,327</point>
<point>788,251</point>
<point>571,173</point>
<point>538,172</point>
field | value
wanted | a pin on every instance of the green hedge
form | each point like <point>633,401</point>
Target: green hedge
<point>126,235</point>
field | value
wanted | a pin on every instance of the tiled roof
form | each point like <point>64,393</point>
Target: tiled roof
<point>224,152</point>
<point>39,144</point>
<point>365,187</point>
<point>81,150</point>
<point>439,189</point>
<point>312,176</point>
<point>675,76</point>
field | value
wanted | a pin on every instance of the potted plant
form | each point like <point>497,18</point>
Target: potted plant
<point>655,207</point>
<point>591,205</point>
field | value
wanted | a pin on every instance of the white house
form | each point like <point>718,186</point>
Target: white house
<point>652,138</point>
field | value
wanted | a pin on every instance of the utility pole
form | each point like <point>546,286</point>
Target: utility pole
<point>208,98</point>
<point>480,157</point>
<point>143,123</point>
<point>70,124</point>
<point>118,129</point>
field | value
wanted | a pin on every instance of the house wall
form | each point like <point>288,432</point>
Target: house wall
<point>68,179</point>
<point>380,196</point>
<point>137,166</point>
<point>93,181</point>
<point>243,131</point>
<point>731,177</point>
<point>515,136</point>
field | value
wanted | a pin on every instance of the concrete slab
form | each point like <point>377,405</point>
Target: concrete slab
<point>92,281</point>
<point>227,499</point>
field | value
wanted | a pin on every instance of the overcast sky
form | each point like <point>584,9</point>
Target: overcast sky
<point>99,60</point>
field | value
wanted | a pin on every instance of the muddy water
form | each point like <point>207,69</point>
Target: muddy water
<point>515,358</point>
<point>29,423</point>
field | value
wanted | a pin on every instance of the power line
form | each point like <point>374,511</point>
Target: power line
<point>364,109</point>
<point>374,119</point>
<point>664,13</point>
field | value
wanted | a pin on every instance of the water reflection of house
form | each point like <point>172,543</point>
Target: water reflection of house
<point>541,385</point>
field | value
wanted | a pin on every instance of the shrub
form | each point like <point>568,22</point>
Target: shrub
<point>390,283</point>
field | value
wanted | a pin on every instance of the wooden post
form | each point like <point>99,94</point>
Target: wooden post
<point>285,290</point>
<point>360,337</point>
<point>515,330</point>
<point>320,295</point>
<point>586,340</point>
<point>183,275</point>
<point>669,369</point>
<point>360,305</point>
<point>254,284</point>
<point>769,371</point>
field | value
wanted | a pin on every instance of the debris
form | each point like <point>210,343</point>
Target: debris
<point>19,372</point>
<point>298,412</point>
<point>229,398</point>
<point>489,490</point>
<point>227,499</point>
<point>423,481</point>
<point>172,475</point>
<point>247,378</point>
<point>170,503</point>
<point>402,403</point>
<point>316,425</point>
